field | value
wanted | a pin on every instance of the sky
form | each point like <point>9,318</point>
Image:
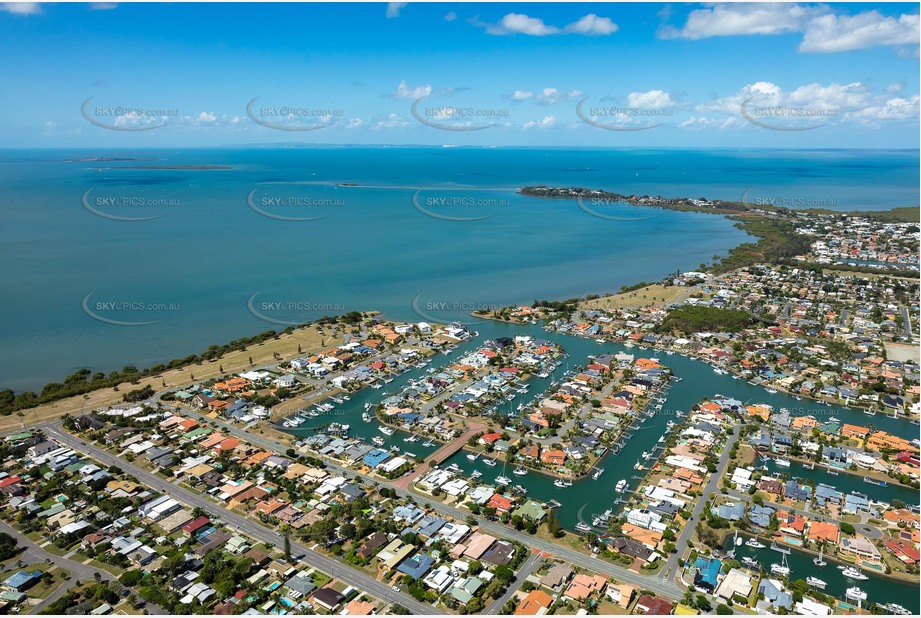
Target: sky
<point>788,75</point>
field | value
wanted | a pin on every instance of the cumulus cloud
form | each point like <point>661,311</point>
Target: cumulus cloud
<point>403,91</point>
<point>21,8</point>
<point>450,16</point>
<point>823,30</point>
<point>550,96</point>
<point>102,6</point>
<point>521,95</point>
<point>519,23</point>
<point>544,123</point>
<point>390,121</point>
<point>839,33</point>
<point>654,99</point>
<point>394,8</point>
<point>206,117</point>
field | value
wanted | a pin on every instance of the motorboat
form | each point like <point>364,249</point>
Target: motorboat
<point>366,417</point>
<point>379,441</point>
<point>895,608</point>
<point>583,527</point>
<point>562,483</point>
<point>473,456</point>
<point>387,431</point>
<point>781,462</point>
<point>621,485</point>
<point>854,573</point>
<point>855,594</point>
<point>751,562</point>
<point>771,391</point>
<point>489,462</point>
<point>815,582</point>
<point>818,561</point>
<point>753,543</point>
<point>597,474</point>
<point>520,471</point>
<point>503,480</point>
<point>520,490</point>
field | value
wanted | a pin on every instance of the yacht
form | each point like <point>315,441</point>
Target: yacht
<point>750,562</point>
<point>753,542</point>
<point>869,412</point>
<point>562,483</point>
<point>379,441</point>
<point>520,471</point>
<point>520,489</point>
<point>597,473</point>
<point>428,443</point>
<point>409,455</point>
<point>387,431</point>
<point>871,481</point>
<point>781,462</point>
<point>831,471</point>
<point>621,485</point>
<point>782,568</point>
<point>599,340</point>
<point>854,573</point>
<point>366,417</point>
<point>583,527</point>
<point>476,474</point>
<point>771,391</point>
<point>855,594</point>
<point>815,582</point>
<point>833,419</point>
<point>895,608</point>
<point>719,371</point>
<point>818,561</point>
<point>473,456</point>
<point>503,480</point>
<point>489,462</point>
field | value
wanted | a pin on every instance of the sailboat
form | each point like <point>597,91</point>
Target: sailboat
<point>490,462</point>
<point>520,471</point>
<point>502,479</point>
<point>818,561</point>
<point>782,568</point>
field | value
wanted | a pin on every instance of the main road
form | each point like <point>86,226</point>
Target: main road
<point>656,584</point>
<point>245,525</point>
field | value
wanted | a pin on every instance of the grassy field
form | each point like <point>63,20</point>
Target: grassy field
<point>656,294</point>
<point>285,346</point>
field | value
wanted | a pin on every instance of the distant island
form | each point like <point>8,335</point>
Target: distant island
<point>655,201</point>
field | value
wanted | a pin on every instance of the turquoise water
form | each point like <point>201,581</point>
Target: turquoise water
<point>195,267</point>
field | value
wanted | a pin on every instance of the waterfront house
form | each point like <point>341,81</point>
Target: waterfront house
<point>860,547</point>
<point>736,585</point>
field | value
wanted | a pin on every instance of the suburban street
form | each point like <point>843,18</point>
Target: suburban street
<point>526,569</point>
<point>245,525</point>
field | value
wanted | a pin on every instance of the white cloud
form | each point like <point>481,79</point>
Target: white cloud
<point>519,23</point>
<point>450,16</point>
<point>354,123</point>
<point>51,124</point>
<point>823,31</point>
<point>102,6</point>
<point>206,118</point>
<point>403,91</point>
<point>839,33</point>
<point>394,8</point>
<point>544,123</point>
<point>549,96</point>
<point>741,18</point>
<point>654,99</point>
<point>21,8</point>
<point>592,24</point>
<point>391,121</point>
<point>521,95</point>
<point>896,108</point>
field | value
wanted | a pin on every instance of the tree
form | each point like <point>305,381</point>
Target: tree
<point>723,610</point>
<point>847,528</point>
<point>287,548</point>
<point>505,572</point>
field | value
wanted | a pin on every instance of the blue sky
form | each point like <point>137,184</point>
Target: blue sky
<point>603,75</point>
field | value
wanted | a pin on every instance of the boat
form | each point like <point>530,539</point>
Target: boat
<point>854,573</point>
<point>815,582</point>
<point>719,371</point>
<point>736,539</point>
<point>428,443</point>
<point>869,412</point>
<point>753,542</point>
<point>476,474</point>
<point>520,471</point>
<point>637,466</point>
<point>394,449</point>
<point>855,594</point>
<point>597,473</point>
<point>621,485</point>
<point>520,489</point>
<point>750,562</point>
<point>562,483</point>
<point>628,345</point>
<point>503,480</point>
<point>583,527</point>
<point>818,561</point>
<point>489,462</point>
<point>645,455</point>
<point>831,471</point>
<point>366,417</point>
<point>473,456</point>
<point>782,568</point>
<point>895,608</point>
<point>772,391</point>
<point>783,463</point>
<point>833,419</point>
<point>599,340</point>
<point>870,481</point>
<point>387,431</point>
<point>379,441</point>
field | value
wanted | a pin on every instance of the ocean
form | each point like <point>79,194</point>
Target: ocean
<point>117,257</point>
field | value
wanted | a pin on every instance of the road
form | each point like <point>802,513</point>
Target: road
<point>533,561</point>
<point>671,565</point>
<point>658,585</point>
<point>864,529</point>
<point>245,525</point>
